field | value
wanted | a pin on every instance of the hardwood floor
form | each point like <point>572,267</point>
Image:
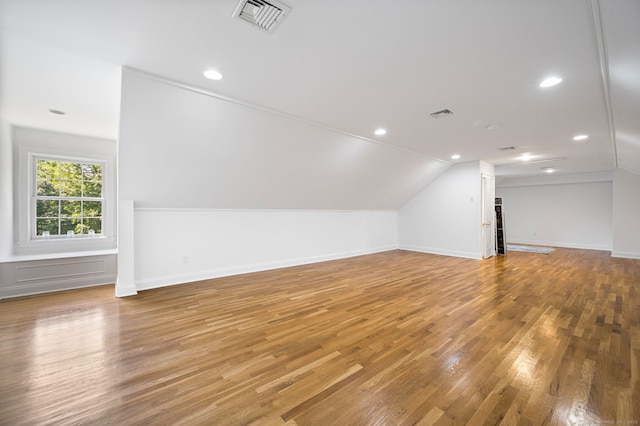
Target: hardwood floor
<point>384,339</point>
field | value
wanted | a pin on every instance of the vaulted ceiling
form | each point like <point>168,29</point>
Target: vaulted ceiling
<point>354,66</point>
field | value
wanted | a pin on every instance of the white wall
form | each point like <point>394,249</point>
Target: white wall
<point>445,217</point>
<point>6,192</point>
<point>577,215</point>
<point>180,245</point>
<point>626,214</point>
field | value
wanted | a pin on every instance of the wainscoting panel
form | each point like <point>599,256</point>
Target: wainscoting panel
<point>59,270</point>
<point>27,277</point>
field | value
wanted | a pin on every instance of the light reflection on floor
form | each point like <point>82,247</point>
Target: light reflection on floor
<point>60,338</point>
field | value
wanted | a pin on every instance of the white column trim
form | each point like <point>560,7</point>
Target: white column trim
<point>125,281</point>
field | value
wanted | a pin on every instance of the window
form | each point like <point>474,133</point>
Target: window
<point>68,198</point>
<point>62,183</point>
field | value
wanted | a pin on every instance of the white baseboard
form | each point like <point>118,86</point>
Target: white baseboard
<point>157,282</point>
<point>562,244</point>
<point>442,252</point>
<point>125,289</point>
<point>625,254</point>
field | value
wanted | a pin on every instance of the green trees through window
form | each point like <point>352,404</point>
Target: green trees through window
<point>68,197</point>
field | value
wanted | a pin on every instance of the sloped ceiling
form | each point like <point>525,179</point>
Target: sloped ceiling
<point>186,148</point>
<point>354,66</point>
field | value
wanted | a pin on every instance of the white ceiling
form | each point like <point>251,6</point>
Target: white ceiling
<point>353,66</point>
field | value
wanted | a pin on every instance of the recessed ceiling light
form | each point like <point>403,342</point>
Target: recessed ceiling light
<point>526,157</point>
<point>455,156</point>
<point>551,81</point>
<point>380,132</point>
<point>57,112</point>
<point>549,169</point>
<point>213,75</point>
<point>580,137</point>
<point>492,127</point>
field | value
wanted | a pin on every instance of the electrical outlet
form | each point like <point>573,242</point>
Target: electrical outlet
<point>186,259</point>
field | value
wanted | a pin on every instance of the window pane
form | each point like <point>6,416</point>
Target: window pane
<point>92,209</point>
<point>93,189</point>
<point>92,172</point>
<point>68,225</point>
<point>70,171</point>
<point>70,208</point>
<point>81,227</point>
<point>50,225</point>
<point>48,187</point>
<point>95,224</point>
<point>57,180</point>
<point>71,188</point>
<point>47,208</point>
<point>48,169</point>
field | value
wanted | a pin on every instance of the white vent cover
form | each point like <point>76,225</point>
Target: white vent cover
<point>266,15</point>
<point>507,148</point>
<point>442,113</point>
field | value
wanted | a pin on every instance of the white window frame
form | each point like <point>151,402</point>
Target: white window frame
<point>33,184</point>
<point>26,243</point>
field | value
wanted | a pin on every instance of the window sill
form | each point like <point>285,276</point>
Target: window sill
<point>58,255</point>
<point>60,248</point>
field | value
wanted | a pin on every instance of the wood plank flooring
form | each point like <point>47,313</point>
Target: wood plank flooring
<point>395,338</point>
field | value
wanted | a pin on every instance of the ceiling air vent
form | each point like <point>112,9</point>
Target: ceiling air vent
<point>442,113</point>
<point>266,15</point>
<point>507,148</point>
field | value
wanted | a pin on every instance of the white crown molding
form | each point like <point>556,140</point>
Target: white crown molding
<point>201,91</point>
